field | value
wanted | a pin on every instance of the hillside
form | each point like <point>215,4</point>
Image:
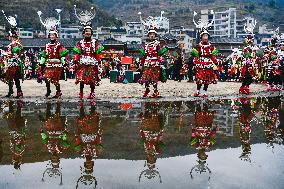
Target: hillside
<point>180,11</point>
<point>27,11</point>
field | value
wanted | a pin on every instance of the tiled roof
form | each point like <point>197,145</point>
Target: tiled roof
<point>226,40</point>
<point>68,43</point>
<point>112,41</point>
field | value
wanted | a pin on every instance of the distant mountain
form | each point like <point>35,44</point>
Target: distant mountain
<point>270,12</point>
<point>27,11</point>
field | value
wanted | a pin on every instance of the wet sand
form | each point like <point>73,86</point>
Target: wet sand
<point>107,90</point>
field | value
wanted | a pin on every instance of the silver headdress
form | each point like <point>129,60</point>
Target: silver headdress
<point>281,40</point>
<point>50,23</point>
<point>202,25</point>
<point>87,178</point>
<point>249,27</point>
<point>85,17</point>
<point>276,33</point>
<point>52,173</point>
<point>13,22</point>
<point>200,168</point>
<point>152,23</point>
<point>150,173</point>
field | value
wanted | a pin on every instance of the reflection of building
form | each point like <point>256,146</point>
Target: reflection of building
<point>225,120</point>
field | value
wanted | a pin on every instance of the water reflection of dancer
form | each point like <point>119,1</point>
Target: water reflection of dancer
<point>88,143</point>
<point>271,120</point>
<point>54,137</point>
<point>151,133</point>
<point>17,126</point>
<point>246,114</point>
<point>203,136</point>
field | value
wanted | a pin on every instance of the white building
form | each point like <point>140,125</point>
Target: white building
<point>70,32</point>
<point>2,31</point>
<point>134,28</point>
<point>25,33</point>
<point>102,33</point>
<point>184,39</point>
<point>264,30</point>
<point>241,23</point>
<point>225,23</point>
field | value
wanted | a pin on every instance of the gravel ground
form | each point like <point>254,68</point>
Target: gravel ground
<point>170,89</point>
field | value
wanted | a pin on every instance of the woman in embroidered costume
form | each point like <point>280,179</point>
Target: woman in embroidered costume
<point>151,133</point>
<point>15,53</point>
<point>203,135</point>
<point>151,60</point>
<point>54,137</point>
<point>87,56</point>
<point>248,71</point>
<point>52,57</point>
<point>274,66</point>
<point>17,125</point>
<point>204,59</point>
<point>88,141</point>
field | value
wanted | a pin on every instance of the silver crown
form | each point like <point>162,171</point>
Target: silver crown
<point>85,17</point>
<point>150,173</point>
<point>52,173</point>
<point>202,24</point>
<point>50,22</point>
<point>12,20</point>
<point>87,180</point>
<point>200,168</point>
<point>153,21</point>
<point>249,27</point>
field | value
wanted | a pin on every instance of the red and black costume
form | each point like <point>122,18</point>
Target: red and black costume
<point>87,54</point>
<point>248,71</point>
<point>53,63</point>
<point>52,56</point>
<point>15,65</point>
<point>204,60</point>
<point>151,63</point>
<point>274,67</point>
<point>88,141</point>
<point>151,133</point>
<point>87,58</point>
